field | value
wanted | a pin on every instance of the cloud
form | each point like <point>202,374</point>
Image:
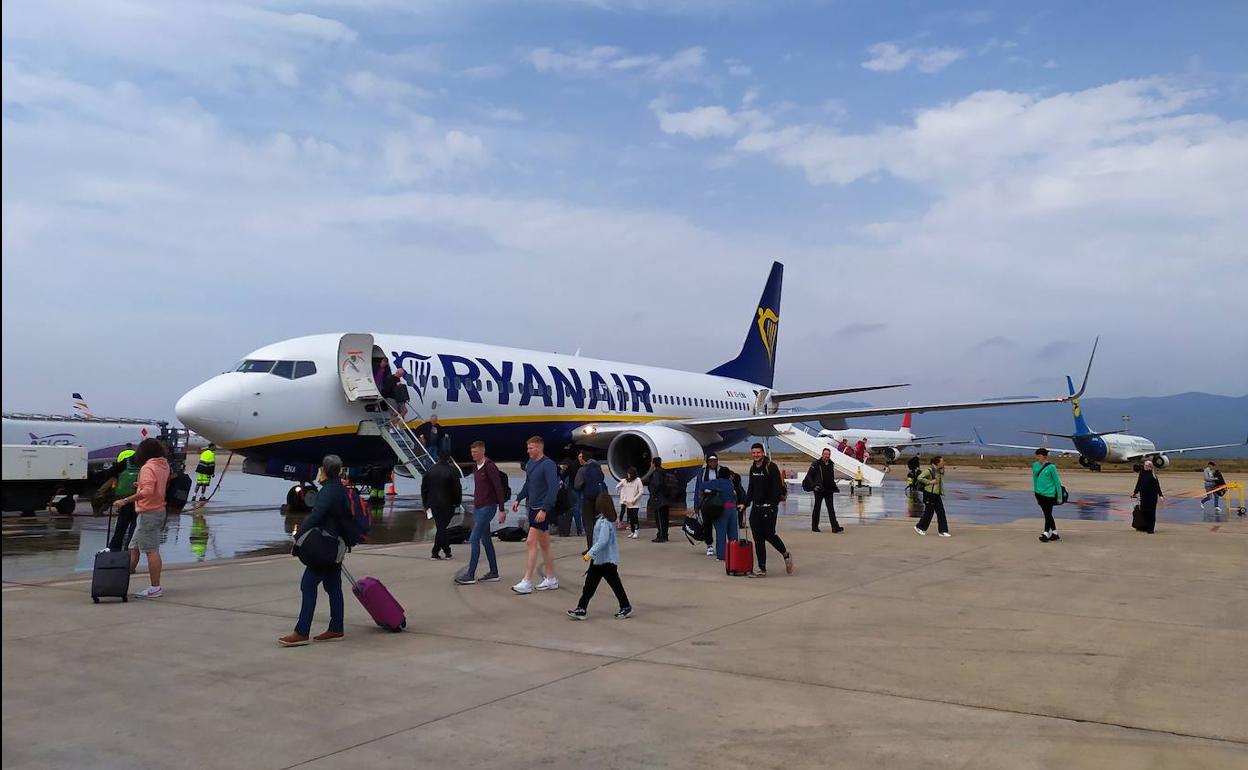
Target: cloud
<point>421,153</point>
<point>699,122</point>
<point>994,343</point>
<point>861,329</point>
<point>601,60</point>
<point>370,86</point>
<point>1055,349</point>
<point>505,114</point>
<point>890,57</point>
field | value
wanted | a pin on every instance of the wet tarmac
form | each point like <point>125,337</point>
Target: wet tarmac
<point>245,518</point>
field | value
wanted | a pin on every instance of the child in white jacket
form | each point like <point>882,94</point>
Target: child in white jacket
<point>630,498</point>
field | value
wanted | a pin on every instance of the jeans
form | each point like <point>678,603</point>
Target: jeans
<point>312,579</point>
<point>577,502</point>
<point>1208,486</point>
<point>589,512</point>
<point>763,525</point>
<point>597,573</point>
<point>725,531</point>
<point>481,518</point>
<point>127,518</point>
<point>820,498</point>
<point>442,519</point>
<point>1046,505</point>
<point>933,503</point>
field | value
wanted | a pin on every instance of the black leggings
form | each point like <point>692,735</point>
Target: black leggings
<point>127,518</point>
<point>763,525</point>
<point>632,519</point>
<point>933,503</point>
<point>1046,505</point>
<point>597,573</point>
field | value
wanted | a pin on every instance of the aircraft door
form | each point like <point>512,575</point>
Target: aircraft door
<point>355,367</point>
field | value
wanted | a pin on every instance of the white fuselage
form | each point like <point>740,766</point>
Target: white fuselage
<point>876,439</point>
<point>1121,448</point>
<point>498,394</point>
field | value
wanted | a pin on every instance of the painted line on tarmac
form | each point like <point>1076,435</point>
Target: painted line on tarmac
<point>7,589</point>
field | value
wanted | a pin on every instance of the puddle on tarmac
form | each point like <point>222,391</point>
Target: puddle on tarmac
<point>245,519</point>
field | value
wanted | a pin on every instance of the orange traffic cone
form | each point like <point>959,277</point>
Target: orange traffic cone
<point>390,490</point>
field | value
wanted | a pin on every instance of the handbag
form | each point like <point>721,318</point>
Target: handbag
<point>319,548</point>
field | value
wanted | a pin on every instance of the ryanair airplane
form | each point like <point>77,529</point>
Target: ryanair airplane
<point>288,404</point>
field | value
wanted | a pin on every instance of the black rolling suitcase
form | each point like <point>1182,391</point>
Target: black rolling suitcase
<point>110,577</point>
<point>177,493</point>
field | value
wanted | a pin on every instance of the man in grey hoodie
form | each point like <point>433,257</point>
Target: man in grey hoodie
<point>1213,480</point>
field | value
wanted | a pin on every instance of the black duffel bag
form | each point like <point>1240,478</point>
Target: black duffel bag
<point>319,548</point>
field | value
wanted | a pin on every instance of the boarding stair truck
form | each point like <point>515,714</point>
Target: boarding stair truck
<point>35,474</point>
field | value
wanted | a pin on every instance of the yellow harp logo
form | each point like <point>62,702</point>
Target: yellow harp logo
<point>768,328</point>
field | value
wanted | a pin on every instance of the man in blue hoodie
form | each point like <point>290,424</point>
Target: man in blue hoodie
<point>541,485</point>
<point>588,485</point>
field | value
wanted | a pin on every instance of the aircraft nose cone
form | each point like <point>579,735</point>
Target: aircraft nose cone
<point>211,409</point>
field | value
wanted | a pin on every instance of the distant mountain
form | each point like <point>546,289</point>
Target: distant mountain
<point>1186,419</point>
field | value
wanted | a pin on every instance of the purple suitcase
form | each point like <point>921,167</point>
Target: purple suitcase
<point>380,603</point>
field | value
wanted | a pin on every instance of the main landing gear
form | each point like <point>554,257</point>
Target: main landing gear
<point>1091,465</point>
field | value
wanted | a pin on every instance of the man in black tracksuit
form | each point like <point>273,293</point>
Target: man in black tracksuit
<point>441,492</point>
<point>822,476</point>
<point>764,494</point>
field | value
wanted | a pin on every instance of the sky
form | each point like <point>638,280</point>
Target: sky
<point>963,195</point>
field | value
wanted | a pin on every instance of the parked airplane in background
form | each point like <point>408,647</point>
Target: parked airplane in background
<point>1094,448</point>
<point>288,404</point>
<point>889,444</point>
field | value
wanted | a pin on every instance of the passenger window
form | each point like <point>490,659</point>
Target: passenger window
<point>284,369</point>
<point>255,366</point>
<point>304,369</point>
<point>489,386</point>
<point>435,380</point>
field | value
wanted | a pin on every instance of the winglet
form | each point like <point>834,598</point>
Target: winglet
<point>978,438</point>
<point>1088,371</point>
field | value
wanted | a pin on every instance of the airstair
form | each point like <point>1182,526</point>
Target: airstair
<point>802,438</point>
<point>411,453</point>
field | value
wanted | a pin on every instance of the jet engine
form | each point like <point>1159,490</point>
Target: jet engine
<point>1160,461</point>
<point>891,453</point>
<point>636,448</point>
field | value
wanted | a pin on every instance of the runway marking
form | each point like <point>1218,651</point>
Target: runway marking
<point>13,588</point>
<point>201,569</point>
<point>68,583</point>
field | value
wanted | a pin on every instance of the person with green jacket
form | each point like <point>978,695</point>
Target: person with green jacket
<point>1048,488</point>
<point>932,480</point>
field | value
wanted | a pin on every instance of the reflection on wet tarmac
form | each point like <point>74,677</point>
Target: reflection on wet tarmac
<point>49,545</point>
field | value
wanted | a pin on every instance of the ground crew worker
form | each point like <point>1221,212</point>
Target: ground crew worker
<point>204,472</point>
<point>123,454</point>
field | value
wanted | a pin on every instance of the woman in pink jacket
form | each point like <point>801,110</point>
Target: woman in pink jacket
<point>149,502</point>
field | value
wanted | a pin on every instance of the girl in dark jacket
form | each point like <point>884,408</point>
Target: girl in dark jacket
<point>1148,490</point>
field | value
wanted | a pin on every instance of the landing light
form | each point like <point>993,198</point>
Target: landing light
<point>590,430</point>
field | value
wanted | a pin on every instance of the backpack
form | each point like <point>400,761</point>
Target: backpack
<point>505,483</point>
<point>563,500</point>
<point>1062,496</point>
<point>361,518</point>
<point>128,481</point>
<point>510,534</point>
<point>671,486</point>
<point>400,393</point>
<point>808,483</point>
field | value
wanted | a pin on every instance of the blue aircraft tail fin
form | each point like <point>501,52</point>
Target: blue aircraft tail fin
<point>756,362</point>
<point>1081,425</point>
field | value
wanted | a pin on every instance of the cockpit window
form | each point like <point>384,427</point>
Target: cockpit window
<point>255,366</point>
<point>304,369</point>
<point>285,369</point>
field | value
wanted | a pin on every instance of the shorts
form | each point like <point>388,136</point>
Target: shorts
<point>147,533</point>
<point>542,526</point>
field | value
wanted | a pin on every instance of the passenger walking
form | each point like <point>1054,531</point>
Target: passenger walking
<point>1148,490</point>
<point>822,475</point>
<point>860,450</point>
<point>571,515</point>
<point>441,493</point>
<point>541,485</point>
<point>708,499</point>
<point>1213,480</point>
<point>331,513</point>
<point>487,497</point>
<point>589,484</point>
<point>843,447</point>
<point>932,482</point>
<point>149,505</point>
<point>659,507</point>
<point>204,471</point>
<point>719,503</point>
<point>1047,486</point>
<point>604,563</point>
<point>630,499</point>
<point>435,438</point>
<point>125,475</point>
<point>766,489</point>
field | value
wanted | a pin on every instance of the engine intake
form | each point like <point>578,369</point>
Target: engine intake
<point>636,448</point>
<point>1160,461</point>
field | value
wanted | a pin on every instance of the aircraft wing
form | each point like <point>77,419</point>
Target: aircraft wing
<point>914,444</point>
<point>798,395</point>
<point>980,441</point>
<point>1184,449</point>
<point>768,420</point>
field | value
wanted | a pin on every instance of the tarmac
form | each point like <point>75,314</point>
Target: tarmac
<point>1108,649</point>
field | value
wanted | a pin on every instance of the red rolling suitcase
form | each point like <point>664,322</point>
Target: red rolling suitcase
<point>740,558</point>
<point>380,603</point>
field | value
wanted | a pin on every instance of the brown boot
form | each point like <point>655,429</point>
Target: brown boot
<point>328,636</point>
<point>293,640</point>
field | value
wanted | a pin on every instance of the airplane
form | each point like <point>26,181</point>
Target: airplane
<point>1114,446</point>
<point>288,404</point>
<point>887,443</point>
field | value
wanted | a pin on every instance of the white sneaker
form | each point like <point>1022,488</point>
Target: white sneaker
<point>945,534</point>
<point>916,529</point>
<point>710,550</point>
<point>1216,509</point>
<point>635,535</point>
<point>151,592</point>
<point>1202,506</point>
<point>549,584</point>
<point>523,587</point>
